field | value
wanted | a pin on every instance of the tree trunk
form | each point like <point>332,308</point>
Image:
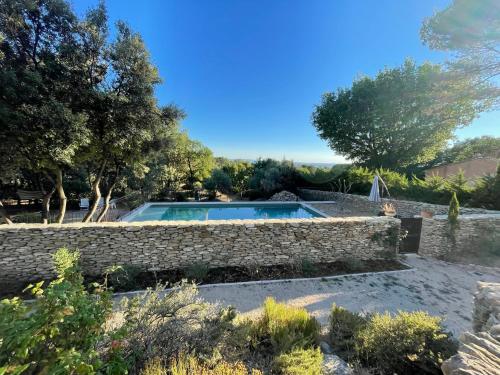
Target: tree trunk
<point>105,209</point>
<point>62,197</point>
<point>111,186</point>
<point>47,195</point>
<point>96,194</point>
<point>4,215</point>
<point>46,205</point>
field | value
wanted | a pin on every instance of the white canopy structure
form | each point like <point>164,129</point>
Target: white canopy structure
<point>374,192</point>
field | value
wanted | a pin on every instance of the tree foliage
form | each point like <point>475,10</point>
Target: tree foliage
<point>41,122</point>
<point>394,120</point>
<point>73,100</point>
<point>470,29</point>
<point>487,192</point>
<point>471,148</point>
<point>239,173</point>
<point>270,176</point>
<point>218,181</point>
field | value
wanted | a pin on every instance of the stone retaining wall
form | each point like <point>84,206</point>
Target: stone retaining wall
<point>25,250</point>
<point>479,351</point>
<point>438,238</point>
<point>404,208</point>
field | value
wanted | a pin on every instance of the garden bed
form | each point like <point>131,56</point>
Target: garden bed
<point>130,278</point>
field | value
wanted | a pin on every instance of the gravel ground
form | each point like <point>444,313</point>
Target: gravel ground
<point>435,286</point>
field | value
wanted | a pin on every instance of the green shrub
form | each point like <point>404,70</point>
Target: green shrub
<point>299,362</point>
<point>154,367</point>
<point>344,326</point>
<point>487,192</point>
<point>454,209</point>
<point>307,267</point>
<point>191,365</point>
<point>361,179</point>
<point>459,185</point>
<point>270,176</point>
<point>124,277</point>
<point>162,324</point>
<point>197,271</point>
<point>397,183</point>
<point>408,343</point>
<point>60,331</point>
<point>285,327</point>
<point>218,181</point>
<point>431,190</point>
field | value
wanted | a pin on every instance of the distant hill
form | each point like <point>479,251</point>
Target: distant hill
<point>318,165</point>
<point>297,163</point>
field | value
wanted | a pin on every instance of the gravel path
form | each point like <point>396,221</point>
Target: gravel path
<point>438,287</point>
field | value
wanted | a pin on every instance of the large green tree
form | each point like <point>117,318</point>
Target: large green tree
<point>394,120</point>
<point>471,30</point>
<point>478,147</point>
<point>41,124</point>
<point>126,120</point>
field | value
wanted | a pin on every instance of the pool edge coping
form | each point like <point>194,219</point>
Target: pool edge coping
<point>304,204</point>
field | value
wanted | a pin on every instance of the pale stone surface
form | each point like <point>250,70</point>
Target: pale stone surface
<point>334,365</point>
<point>441,288</point>
<point>438,238</point>
<point>284,196</point>
<point>479,352</point>
<point>25,249</point>
<point>403,208</point>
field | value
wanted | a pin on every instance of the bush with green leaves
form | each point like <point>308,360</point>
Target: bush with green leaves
<point>185,364</point>
<point>63,330</point>
<point>270,176</point>
<point>307,267</point>
<point>218,181</point>
<point>197,271</point>
<point>123,278</point>
<point>432,189</point>
<point>154,366</point>
<point>407,343</point>
<point>162,323</point>
<point>487,192</point>
<point>299,362</point>
<point>284,328</point>
<point>343,328</point>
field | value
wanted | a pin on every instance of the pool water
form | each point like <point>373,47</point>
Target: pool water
<point>204,212</point>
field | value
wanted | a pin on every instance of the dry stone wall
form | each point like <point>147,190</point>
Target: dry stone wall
<point>479,351</point>
<point>404,208</point>
<point>25,250</point>
<point>439,239</point>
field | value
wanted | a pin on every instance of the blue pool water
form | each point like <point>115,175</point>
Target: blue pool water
<point>222,212</point>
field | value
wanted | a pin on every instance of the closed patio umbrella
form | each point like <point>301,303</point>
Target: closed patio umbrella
<point>374,192</point>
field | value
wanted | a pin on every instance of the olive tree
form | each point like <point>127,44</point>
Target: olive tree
<point>40,121</point>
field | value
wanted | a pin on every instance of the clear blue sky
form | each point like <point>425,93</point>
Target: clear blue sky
<point>248,72</point>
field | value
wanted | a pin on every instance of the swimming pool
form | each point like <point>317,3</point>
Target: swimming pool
<point>221,211</point>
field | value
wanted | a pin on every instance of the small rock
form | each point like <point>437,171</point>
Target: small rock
<point>325,347</point>
<point>334,365</point>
